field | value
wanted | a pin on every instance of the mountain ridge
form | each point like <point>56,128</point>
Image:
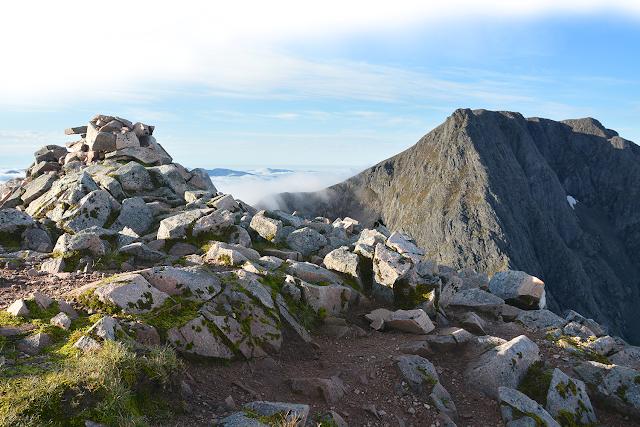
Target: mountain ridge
<point>489,189</point>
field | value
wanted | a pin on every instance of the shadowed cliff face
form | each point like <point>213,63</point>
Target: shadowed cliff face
<point>490,190</point>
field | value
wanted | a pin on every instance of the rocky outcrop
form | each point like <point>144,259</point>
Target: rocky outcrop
<point>490,190</point>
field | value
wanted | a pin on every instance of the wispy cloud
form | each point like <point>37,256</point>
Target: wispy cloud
<point>154,48</point>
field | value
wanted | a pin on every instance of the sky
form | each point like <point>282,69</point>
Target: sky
<point>341,84</point>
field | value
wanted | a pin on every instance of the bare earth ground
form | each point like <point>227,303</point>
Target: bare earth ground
<point>363,359</point>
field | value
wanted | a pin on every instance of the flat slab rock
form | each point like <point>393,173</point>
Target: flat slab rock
<point>617,386</point>
<point>519,288</point>
<point>250,417</point>
<point>412,321</point>
<point>518,407</point>
<point>568,396</point>
<point>131,292</point>
<point>504,365</point>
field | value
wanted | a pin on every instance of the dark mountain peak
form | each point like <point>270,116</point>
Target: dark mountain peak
<point>590,126</point>
<point>492,189</point>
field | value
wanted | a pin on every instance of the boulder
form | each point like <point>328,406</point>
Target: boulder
<point>201,180</point>
<point>142,252</point>
<point>175,227</point>
<point>221,253</point>
<point>99,141</point>
<point>311,272</point>
<point>614,385</point>
<point>519,410</point>
<point>86,344</point>
<point>195,337</point>
<point>93,210</point>
<point>76,243</point>
<point>477,299</point>
<point>473,323</point>
<point>292,413</point>
<point>422,378</point>
<point>134,214</point>
<point>306,241</point>
<point>258,329</point>
<point>196,281</point>
<point>628,356</point>
<point>34,344</point>
<point>540,319</point>
<point>169,176</point>
<point>130,292</point>
<point>519,288</point>
<point>13,221</point>
<point>19,308</point>
<point>126,140</point>
<point>145,155</point>
<point>567,399</point>
<point>37,239</point>
<point>61,320</point>
<point>389,266</point>
<point>331,299</point>
<point>38,187</point>
<point>69,189</point>
<point>504,365</point>
<point>344,261</point>
<point>268,228</point>
<point>404,244</point>
<point>226,202</point>
<point>411,321</point>
<point>134,177</point>
<point>214,223</point>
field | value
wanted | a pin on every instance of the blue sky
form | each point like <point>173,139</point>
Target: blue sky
<point>332,85</point>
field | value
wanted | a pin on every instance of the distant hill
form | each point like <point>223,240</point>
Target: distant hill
<point>560,200</point>
<point>226,172</point>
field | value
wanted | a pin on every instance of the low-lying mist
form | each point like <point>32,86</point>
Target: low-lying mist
<point>262,189</point>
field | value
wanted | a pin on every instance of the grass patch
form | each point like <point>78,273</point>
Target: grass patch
<point>7,319</point>
<point>302,311</point>
<point>113,385</point>
<point>90,300</point>
<point>11,242</point>
<point>279,419</point>
<point>111,261</point>
<point>173,313</point>
<point>408,297</point>
<point>535,383</point>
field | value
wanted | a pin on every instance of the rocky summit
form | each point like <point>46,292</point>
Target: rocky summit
<point>134,293</point>
<point>494,190</point>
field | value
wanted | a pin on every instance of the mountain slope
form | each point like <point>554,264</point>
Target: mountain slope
<point>490,190</point>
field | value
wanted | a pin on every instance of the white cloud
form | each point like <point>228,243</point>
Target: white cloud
<point>254,189</point>
<point>71,51</point>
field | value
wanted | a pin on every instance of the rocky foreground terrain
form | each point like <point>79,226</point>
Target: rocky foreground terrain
<point>134,293</point>
<point>494,190</point>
